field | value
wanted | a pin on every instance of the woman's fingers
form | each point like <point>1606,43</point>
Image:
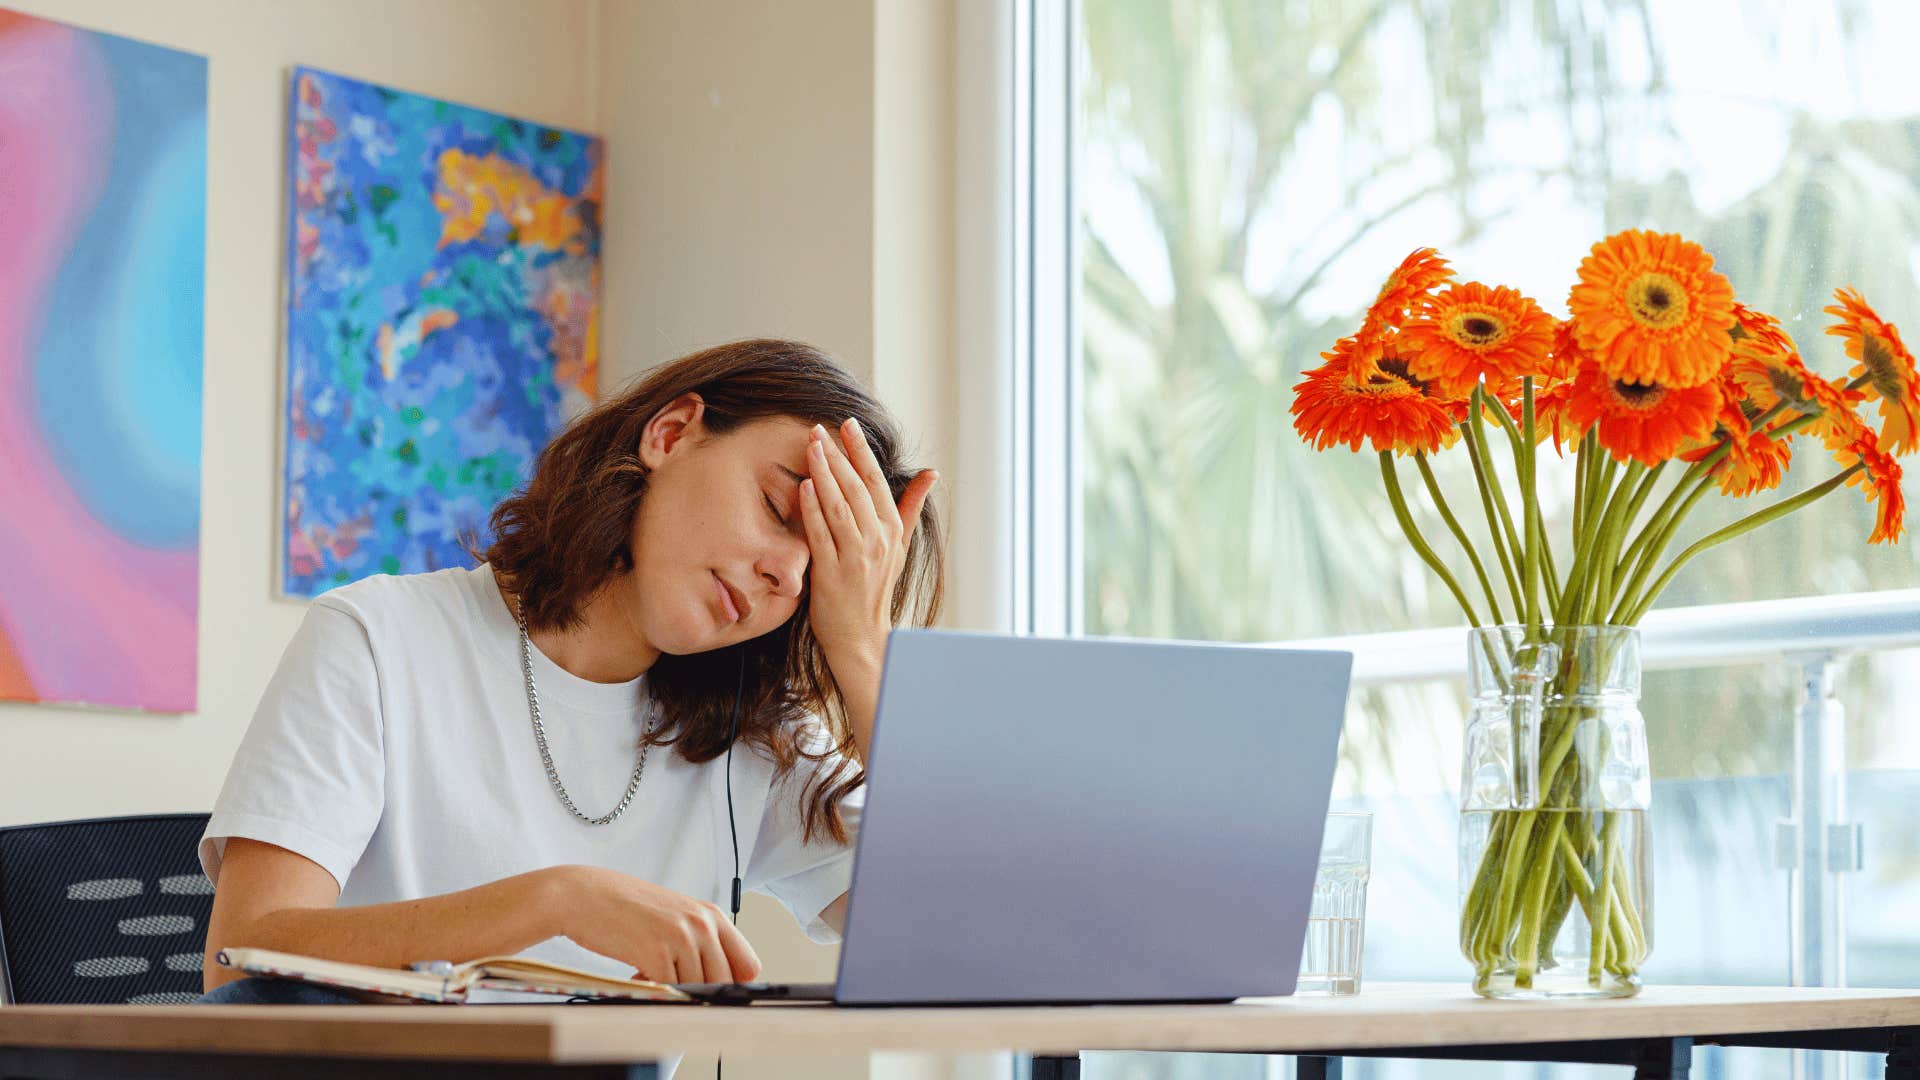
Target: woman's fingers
<point>852,487</point>
<point>814,517</point>
<point>860,455</point>
<point>833,501</point>
<point>681,968</point>
<point>740,955</point>
<point>915,497</point>
<point>715,967</point>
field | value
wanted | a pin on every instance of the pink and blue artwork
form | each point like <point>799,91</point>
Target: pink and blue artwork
<point>443,321</point>
<point>103,177</point>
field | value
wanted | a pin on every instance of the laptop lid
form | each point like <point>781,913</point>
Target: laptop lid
<point>1089,820</point>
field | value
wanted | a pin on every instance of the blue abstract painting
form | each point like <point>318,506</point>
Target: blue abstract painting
<point>443,321</point>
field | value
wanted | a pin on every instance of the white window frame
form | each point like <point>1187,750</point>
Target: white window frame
<point>1047,518</point>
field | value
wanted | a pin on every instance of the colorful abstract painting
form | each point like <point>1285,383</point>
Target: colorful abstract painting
<point>103,179</point>
<point>443,321</point>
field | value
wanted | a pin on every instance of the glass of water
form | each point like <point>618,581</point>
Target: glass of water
<point>1336,927</point>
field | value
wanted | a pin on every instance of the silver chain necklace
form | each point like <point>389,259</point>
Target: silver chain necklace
<point>546,757</point>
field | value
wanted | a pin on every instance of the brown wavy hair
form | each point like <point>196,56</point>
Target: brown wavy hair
<point>565,535</point>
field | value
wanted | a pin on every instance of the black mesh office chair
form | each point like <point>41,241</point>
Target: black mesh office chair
<point>103,911</point>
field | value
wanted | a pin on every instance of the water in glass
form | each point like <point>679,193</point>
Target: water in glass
<point>1336,925</point>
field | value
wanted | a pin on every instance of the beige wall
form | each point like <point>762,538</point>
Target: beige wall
<point>740,175</point>
<point>784,169</point>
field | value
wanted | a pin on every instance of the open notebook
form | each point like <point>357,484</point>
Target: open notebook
<point>450,984</point>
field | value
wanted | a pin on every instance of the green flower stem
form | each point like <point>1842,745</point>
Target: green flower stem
<point>1582,465</point>
<point>1612,537</point>
<point>1576,871</point>
<point>1482,405</point>
<point>1628,910</point>
<point>1646,488</point>
<point>1550,575</point>
<point>1673,505</point>
<point>1475,927</point>
<point>1609,558</point>
<point>1399,501</point>
<point>1609,472</point>
<point>1560,901</point>
<point>1649,555</point>
<point>1512,859</point>
<point>1520,439</point>
<point>1599,918</point>
<point>1562,891</point>
<point>1526,950</point>
<point>1516,849</point>
<point>1605,543</point>
<point>1744,525</point>
<point>1525,464</point>
<point>1460,534</point>
<point>1580,575</point>
<point>1624,915</point>
<point>1596,461</point>
<point>1584,479</point>
<point>1659,534</point>
<point>1492,519</point>
<point>1498,519</point>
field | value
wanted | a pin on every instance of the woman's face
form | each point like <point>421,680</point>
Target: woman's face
<point>719,551</point>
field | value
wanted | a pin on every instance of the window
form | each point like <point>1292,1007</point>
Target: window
<point>1211,192</point>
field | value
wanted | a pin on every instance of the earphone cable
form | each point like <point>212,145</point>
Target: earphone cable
<point>733,735</point>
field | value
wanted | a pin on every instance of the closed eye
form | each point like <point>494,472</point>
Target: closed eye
<point>777,516</point>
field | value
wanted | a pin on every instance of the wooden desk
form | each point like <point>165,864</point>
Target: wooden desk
<point>1654,1032</point>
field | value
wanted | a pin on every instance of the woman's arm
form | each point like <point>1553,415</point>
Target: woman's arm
<point>271,898</point>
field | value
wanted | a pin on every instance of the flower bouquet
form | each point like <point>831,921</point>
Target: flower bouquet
<point>1659,383</point>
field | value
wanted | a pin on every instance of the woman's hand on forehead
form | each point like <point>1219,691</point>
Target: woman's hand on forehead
<point>858,537</point>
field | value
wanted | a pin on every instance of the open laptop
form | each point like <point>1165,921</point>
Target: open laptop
<point>1084,820</point>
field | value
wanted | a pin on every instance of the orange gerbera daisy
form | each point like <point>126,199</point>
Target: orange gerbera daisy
<point>1345,402</point>
<point>1471,331</point>
<point>1652,310</point>
<point>1880,479</point>
<point>1644,422</point>
<point>1757,333</point>
<point>1838,423</point>
<point>1730,420</point>
<point>1755,461</point>
<point>1566,356</point>
<point>1884,364</point>
<point>1767,380</point>
<point>1417,275</point>
<point>1552,419</point>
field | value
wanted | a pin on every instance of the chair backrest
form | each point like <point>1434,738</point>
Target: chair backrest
<point>103,911</point>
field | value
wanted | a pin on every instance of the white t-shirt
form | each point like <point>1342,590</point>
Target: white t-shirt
<point>394,748</point>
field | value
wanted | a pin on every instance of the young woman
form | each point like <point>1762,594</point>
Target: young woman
<point>532,756</point>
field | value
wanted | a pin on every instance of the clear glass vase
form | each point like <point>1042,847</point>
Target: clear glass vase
<point>1555,875</point>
